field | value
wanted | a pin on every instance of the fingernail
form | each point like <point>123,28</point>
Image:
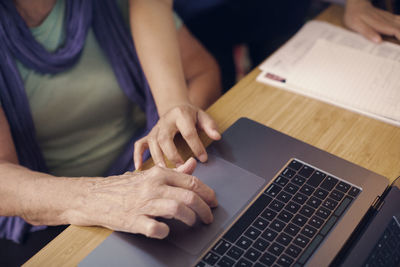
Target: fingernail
<point>203,157</point>
<point>376,39</point>
<point>178,164</point>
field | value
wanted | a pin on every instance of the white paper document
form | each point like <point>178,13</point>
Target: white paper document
<point>339,67</point>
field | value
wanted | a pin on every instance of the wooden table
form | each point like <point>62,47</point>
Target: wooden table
<point>364,141</point>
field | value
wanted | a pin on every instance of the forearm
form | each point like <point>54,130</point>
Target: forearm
<point>204,89</point>
<point>39,198</point>
<point>157,46</point>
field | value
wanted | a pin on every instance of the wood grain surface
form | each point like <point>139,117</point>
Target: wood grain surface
<point>364,141</point>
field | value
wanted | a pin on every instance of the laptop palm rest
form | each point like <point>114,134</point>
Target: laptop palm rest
<point>234,187</point>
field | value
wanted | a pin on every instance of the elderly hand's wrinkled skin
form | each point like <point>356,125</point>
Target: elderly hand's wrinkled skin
<point>132,201</point>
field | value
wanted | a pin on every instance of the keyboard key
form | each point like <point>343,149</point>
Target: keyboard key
<point>300,220</point>
<point>307,190</point>
<point>211,258</point>
<point>221,247</point>
<point>285,216</point>
<point>344,187</point>
<point>321,193</point>
<point>261,244</point>
<point>282,181</point>
<point>342,207</point>
<point>314,202</point>
<point>292,229</point>
<point>247,218</point>
<point>269,214</point>
<point>267,259</point>
<point>323,212</point>
<point>291,188</point>
<point>295,165</point>
<point>273,190</point>
<point>244,242</point>
<point>292,207</point>
<point>316,178</point>
<point>307,211</point>
<point>306,171</point>
<point>277,225</point>
<point>329,183</point>
<point>244,263</point>
<point>336,195</point>
<point>200,264</point>
<point>269,234</point>
<point>285,260</point>
<point>298,180</point>
<point>284,196</point>
<point>300,198</point>
<point>284,239</point>
<point>293,251</point>
<point>354,191</point>
<point>316,222</point>
<point>276,249</point>
<point>310,249</point>
<point>226,262</point>
<point>288,173</point>
<point>301,240</point>
<point>330,204</point>
<point>260,224</point>
<point>235,252</point>
<point>309,231</point>
<point>276,205</point>
<point>252,254</point>
<point>252,233</point>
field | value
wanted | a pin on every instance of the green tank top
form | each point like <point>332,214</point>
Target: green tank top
<point>82,118</point>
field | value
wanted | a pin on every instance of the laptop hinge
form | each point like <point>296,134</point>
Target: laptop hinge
<point>378,203</point>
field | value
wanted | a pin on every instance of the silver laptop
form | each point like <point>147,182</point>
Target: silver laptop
<point>281,203</point>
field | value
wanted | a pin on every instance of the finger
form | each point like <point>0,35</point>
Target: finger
<point>192,183</point>
<point>155,152</point>
<point>150,227</point>
<point>139,148</point>
<point>189,199</point>
<point>167,145</point>
<point>170,208</point>
<point>188,167</point>
<point>384,27</point>
<point>367,32</point>
<point>187,128</point>
<point>208,125</point>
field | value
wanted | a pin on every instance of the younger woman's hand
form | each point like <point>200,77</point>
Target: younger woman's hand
<point>361,16</point>
<point>185,119</point>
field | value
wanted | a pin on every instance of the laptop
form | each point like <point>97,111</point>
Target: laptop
<point>282,202</point>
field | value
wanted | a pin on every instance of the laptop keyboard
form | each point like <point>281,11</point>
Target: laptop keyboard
<point>386,252</point>
<point>287,223</point>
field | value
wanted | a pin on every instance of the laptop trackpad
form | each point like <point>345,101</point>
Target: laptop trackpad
<point>234,186</point>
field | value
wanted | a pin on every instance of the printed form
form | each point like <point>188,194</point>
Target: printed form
<point>339,67</point>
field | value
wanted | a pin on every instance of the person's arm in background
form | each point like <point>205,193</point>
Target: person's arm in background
<point>179,94</point>
<point>361,16</point>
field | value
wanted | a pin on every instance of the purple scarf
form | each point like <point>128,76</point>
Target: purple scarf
<point>17,42</point>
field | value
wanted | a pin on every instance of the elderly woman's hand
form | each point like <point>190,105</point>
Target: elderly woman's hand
<point>185,119</point>
<point>132,201</point>
<point>361,16</point>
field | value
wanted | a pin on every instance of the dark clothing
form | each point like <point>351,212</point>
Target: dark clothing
<point>13,254</point>
<point>261,24</point>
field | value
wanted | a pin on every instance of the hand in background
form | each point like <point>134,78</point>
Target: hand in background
<point>185,119</point>
<point>131,202</point>
<point>361,16</point>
